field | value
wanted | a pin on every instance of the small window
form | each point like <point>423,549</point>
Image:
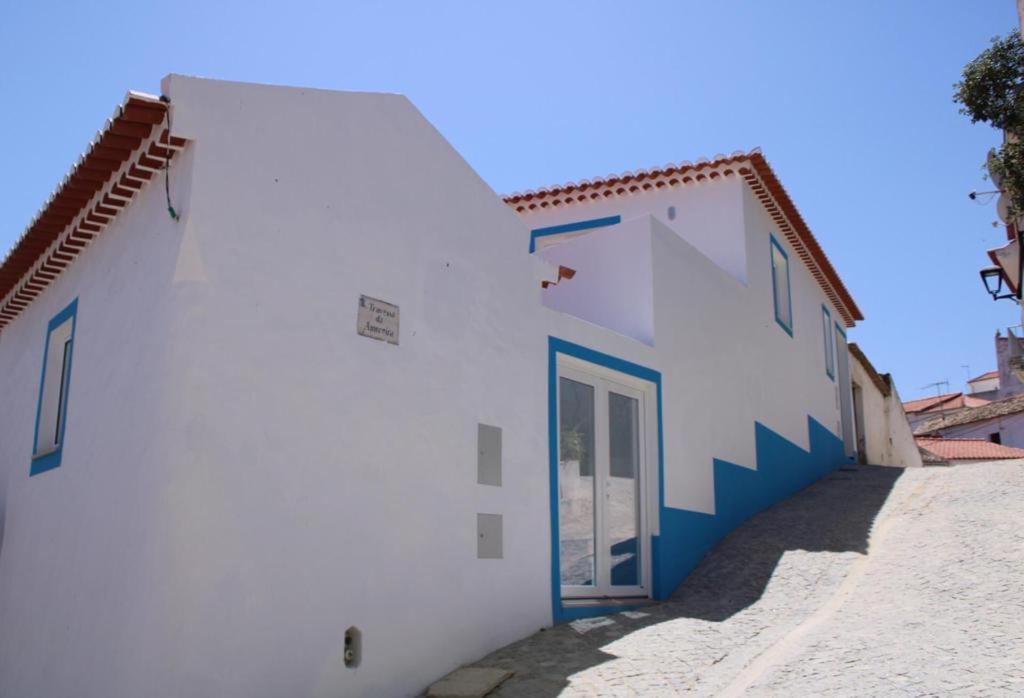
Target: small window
<point>995,438</point>
<point>830,355</point>
<point>51,412</point>
<point>780,287</point>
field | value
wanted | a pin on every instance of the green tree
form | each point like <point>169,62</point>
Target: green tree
<point>992,91</point>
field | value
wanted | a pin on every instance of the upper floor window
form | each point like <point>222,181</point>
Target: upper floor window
<point>51,411</point>
<point>830,355</point>
<point>780,287</point>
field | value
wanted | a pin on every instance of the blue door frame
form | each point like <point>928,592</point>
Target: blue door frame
<point>556,347</point>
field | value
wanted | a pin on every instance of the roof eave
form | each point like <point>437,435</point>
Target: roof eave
<point>775,199</point>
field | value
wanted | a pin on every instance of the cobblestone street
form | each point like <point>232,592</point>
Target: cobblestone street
<point>874,581</point>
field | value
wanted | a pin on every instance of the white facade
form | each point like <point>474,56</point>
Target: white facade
<point>703,322</point>
<point>884,434</point>
<point>984,384</point>
<point>244,476</point>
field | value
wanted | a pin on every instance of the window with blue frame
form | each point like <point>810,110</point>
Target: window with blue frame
<point>51,411</point>
<point>780,287</point>
<point>830,355</point>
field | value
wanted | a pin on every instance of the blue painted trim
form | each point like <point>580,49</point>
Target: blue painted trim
<point>830,356</point>
<point>840,330</point>
<point>52,460</point>
<point>560,346</point>
<point>789,287</point>
<point>684,536</point>
<point>783,469</point>
<point>571,228</point>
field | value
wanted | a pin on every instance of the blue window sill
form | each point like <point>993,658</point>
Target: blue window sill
<point>45,460</point>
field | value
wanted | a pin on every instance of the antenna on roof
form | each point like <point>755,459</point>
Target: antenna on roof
<point>936,385</point>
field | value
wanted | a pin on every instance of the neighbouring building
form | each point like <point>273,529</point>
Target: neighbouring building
<point>1000,421</point>
<point>883,433</point>
<point>955,451</point>
<point>999,384</point>
<point>295,404</point>
<point>1009,364</point>
<point>926,408</point>
<point>986,385</point>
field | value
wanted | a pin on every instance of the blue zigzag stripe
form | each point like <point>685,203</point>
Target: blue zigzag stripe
<point>783,469</point>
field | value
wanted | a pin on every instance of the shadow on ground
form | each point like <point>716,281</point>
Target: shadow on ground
<point>835,514</point>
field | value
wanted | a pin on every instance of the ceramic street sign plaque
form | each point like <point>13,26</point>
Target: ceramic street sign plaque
<point>378,320</point>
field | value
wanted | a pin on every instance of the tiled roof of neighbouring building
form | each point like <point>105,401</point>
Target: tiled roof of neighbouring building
<point>990,410</point>
<point>948,401</point>
<point>937,450</point>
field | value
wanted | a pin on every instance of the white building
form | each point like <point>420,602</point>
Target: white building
<point>884,436</point>
<point>985,384</point>
<point>999,421</point>
<point>230,481</point>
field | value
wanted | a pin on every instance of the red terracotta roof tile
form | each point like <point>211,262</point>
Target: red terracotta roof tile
<point>930,403</point>
<point>969,415</point>
<point>966,449</point>
<point>87,199</point>
<point>752,167</point>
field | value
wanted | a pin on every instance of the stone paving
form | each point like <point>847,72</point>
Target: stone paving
<point>795,603</point>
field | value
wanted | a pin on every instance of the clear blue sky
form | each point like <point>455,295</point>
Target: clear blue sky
<point>850,102</point>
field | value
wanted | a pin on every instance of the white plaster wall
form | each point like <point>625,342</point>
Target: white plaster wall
<point>78,564</point>
<point>985,385</point>
<point>725,363</point>
<point>244,476</point>
<point>709,216</point>
<point>889,440</point>
<point>904,449</point>
<point>613,285</point>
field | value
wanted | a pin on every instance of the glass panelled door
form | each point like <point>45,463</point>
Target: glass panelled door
<point>601,446</point>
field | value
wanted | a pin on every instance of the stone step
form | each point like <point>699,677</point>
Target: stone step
<point>468,682</point>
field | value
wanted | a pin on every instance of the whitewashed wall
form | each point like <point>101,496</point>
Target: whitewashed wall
<point>887,434</point>
<point>80,571</point>
<point>245,477</point>
<point>984,385</point>
<point>613,285</point>
<point>706,216</point>
<point>725,363</point>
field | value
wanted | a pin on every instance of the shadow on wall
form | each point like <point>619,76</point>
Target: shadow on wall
<point>835,515</point>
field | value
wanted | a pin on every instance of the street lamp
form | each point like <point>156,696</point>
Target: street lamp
<point>992,277</point>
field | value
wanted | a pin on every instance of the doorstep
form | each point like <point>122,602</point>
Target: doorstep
<point>610,602</point>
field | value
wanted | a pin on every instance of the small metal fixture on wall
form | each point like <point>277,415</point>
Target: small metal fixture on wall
<point>353,647</point>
